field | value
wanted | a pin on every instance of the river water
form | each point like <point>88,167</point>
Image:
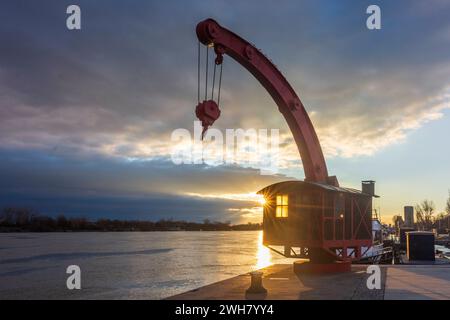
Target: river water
<point>125,265</point>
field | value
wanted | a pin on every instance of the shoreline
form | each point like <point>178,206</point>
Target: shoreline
<point>120,231</point>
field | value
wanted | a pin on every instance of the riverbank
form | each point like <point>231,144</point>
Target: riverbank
<point>398,282</point>
<point>25,220</point>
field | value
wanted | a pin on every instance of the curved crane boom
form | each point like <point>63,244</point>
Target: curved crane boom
<point>209,32</point>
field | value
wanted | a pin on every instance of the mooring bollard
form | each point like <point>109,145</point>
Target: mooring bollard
<point>256,285</point>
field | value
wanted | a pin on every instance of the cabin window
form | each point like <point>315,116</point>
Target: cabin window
<point>282,206</point>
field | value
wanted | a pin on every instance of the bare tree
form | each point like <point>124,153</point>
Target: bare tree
<point>440,215</point>
<point>398,221</point>
<point>439,221</point>
<point>447,206</point>
<point>424,214</point>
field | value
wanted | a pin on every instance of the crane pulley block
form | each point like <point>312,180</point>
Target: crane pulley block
<point>207,112</point>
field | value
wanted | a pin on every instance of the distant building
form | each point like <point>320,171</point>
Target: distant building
<point>398,223</point>
<point>409,216</point>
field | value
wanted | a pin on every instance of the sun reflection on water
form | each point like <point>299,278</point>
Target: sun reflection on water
<point>263,256</point>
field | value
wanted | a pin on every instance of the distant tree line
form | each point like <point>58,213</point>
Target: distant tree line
<point>426,217</point>
<point>25,219</point>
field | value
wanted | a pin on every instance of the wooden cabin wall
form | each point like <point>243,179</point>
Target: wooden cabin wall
<point>313,213</point>
<point>363,204</point>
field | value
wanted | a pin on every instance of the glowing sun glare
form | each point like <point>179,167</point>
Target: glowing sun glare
<point>262,201</point>
<point>263,257</point>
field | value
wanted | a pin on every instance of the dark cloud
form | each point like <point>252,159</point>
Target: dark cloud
<point>153,207</point>
<point>75,105</point>
<point>101,187</point>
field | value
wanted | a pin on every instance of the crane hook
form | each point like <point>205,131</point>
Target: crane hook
<point>207,112</point>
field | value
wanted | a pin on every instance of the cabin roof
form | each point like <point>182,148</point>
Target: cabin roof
<point>298,183</point>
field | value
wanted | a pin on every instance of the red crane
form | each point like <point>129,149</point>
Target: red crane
<point>210,33</point>
<point>336,206</point>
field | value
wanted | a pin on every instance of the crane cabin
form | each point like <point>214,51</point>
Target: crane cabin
<point>318,221</point>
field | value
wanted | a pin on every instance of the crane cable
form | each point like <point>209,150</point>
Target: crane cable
<point>214,81</point>
<point>206,80</point>
<point>198,73</point>
<point>220,84</point>
<point>206,76</point>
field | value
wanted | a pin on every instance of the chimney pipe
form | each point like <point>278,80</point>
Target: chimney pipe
<point>368,187</point>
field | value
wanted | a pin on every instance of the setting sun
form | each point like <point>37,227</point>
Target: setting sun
<point>262,201</point>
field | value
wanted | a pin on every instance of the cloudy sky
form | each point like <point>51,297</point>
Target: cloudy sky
<point>86,116</point>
